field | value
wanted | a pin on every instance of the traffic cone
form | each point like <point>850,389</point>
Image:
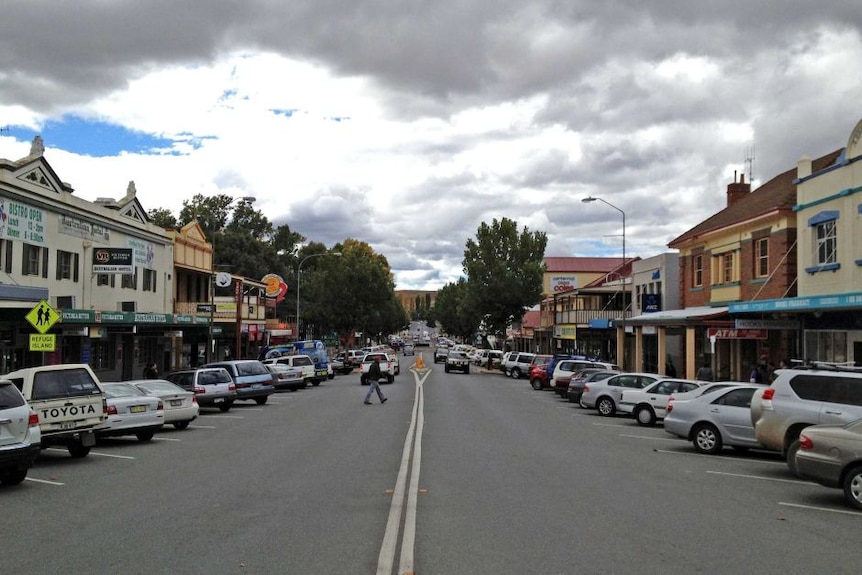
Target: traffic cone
<point>419,363</point>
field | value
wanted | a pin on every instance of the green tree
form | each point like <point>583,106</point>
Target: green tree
<point>504,271</point>
<point>162,217</point>
<point>452,312</point>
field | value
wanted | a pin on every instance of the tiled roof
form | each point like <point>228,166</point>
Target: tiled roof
<point>779,193</point>
<point>532,318</point>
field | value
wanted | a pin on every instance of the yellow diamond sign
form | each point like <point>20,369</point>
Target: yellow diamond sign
<point>42,316</point>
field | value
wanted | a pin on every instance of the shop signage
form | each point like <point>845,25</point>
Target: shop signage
<point>19,221</point>
<point>729,333</point>
<point>563,283</point>
<point>651,302</point>
<point>114,261</point>
<point>812,303</point>
<point>72,226</point>
<point>766,324</point>
<point>86,316</point>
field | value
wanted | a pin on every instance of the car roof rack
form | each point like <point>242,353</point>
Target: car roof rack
<point>825,365</point>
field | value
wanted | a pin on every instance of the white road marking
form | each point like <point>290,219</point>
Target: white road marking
<point>717,456</point>
<point>648,437</point>
<point>815,508</point>
<point>202,427</point>
<point>166,439</point>
<point>45,481</point>
<point>759,478</point>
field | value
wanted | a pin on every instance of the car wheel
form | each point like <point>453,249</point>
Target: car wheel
<point>467,371</point>
<point>446,369</point>
<point>13,476</point>
<point>606,406</point>
<point>315,383</point>
<point>791,458</point>
<point>536,383</point>
<point>515,373</point>
<point>331,375</point>
<point>853,487</point>
<point>645,416</point>
<point>77,450</point>
<point>390,379</point>
<point>261,400</point>
<point>363,380</point>
<point>225,406</point>
<point>145,435</point>
<point>182,424</point>
<point>706,439</point>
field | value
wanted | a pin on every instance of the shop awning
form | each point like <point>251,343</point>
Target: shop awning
<point>683,316</point>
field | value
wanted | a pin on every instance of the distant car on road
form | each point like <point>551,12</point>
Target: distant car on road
<point>457,360</point>
<point>408,349</point>
<point>440,354</point>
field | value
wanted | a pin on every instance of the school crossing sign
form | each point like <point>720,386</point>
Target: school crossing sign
<point>42,316</point>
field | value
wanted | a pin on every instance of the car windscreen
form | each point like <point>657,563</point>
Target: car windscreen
<point>115,390</point>
<point>51,384</point>
<point>457,355</point>
<point>159,386</point>
<point>10,396</point>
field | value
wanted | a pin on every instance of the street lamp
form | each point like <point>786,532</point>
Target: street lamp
<point>298,270</point>
<point>588,200</point>
<point>211,352</point>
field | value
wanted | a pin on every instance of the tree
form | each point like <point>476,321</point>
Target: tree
<point>504,271</point>
<point>452,312</point>
<point>163,217</point>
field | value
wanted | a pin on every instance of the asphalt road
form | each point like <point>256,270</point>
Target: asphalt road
<point>455,474</point>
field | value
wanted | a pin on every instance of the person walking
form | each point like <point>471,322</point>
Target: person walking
<point>151,371</point>
<point>373,376</point>
<point>669,368</point>
<point>704,373</point>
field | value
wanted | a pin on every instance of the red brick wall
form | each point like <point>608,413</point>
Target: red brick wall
<point>690,297</point>
<point>782,269</point>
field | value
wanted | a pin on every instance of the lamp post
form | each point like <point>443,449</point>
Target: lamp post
<point>298,270</point>
<point>588,200</point>
<point>211,351</point>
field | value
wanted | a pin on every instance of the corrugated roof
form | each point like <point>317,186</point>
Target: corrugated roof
<point>532,318</point>
<point>587,265</point>
<point>779,193</point>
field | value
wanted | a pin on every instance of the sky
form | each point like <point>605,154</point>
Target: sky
<point>406,124</point>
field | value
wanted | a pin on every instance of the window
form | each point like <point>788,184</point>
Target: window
<point>761,258</point>
<point>106,279</point>
<point>6,247</point>
<point>727,267</point>
<point>697,271</point>
<point>149,280</point>
<point>130,280</point>
<point>102,354</point>
<point>67,266</point>
<point>31,260</point>
<point>826,243</point>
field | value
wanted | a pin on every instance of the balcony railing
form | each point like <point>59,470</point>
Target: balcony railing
<point>583,316</point>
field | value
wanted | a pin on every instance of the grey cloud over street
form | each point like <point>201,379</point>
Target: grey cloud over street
<point>442,115</point>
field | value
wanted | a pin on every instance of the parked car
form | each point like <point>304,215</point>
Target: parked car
<point>353,357</point>
<point>131,412</point>
<point>253,381</point>
<point>339,367</point>
<point>69,401</point>
<point>457,360</point>
<point>387,370</point>
<point>566,367</point>
<point>714,417</point>
<point>538,371</point>
<point>440,354</point>
<point>181,406</point>
<point>579,379</point>
<point>832,456</point>
<point>286,377</point>
<point>212,386</point>
<point>516,364</point>
<point>604,395</point>
<point>649,404</point>
<point>480,357</point>
<point>19,435</point>
<point>303,362</point>
<point>800,397</point>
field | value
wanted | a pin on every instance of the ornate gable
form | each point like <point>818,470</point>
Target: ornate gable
<point>35,172</point>
<point>130,207</point>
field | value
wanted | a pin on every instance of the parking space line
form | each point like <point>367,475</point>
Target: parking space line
<point>816,508</point>
<point>166,439</point>
<point>45,481</point>
<point>202,427</point>
<point>97,454</point>
<point>776,479</point>
<point>655,438</point>
<point>225,416</point>
<point>718,457</point>
<point>610,425</point>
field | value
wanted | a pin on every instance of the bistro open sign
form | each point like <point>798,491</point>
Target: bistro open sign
<point>114,261</point>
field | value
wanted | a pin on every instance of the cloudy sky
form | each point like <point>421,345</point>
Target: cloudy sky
<point>407,123</point>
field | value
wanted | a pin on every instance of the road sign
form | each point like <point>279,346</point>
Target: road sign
<point>42,316</point>
<point>43,342</point>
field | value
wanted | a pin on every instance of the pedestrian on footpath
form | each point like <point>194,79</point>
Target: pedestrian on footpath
<point>373,376</point>
<point>705,372</point>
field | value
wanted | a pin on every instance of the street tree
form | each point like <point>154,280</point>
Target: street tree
<point>163,217</point>
<point>504,270</point>
<point>453,312</point>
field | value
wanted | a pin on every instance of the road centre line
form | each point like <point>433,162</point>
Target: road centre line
<point>45,481</point>
<point>816,508</point>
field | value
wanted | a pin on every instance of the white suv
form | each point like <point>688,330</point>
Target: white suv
<point>303,362</point>
<point>798,398</point>
<point>19,435</point>
<point>517,364</point>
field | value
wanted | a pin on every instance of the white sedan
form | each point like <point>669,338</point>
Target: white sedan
<point>650,403</point>
<point>181,406</point>
<point>131,412</point>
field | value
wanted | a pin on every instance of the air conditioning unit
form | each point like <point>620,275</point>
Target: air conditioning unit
<point>127,306</point>
<point>63,301</point>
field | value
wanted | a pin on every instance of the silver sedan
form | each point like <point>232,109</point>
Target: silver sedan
<point>181,406</point>
<point>715,419</point>
<point>832,456</point>
<point>131,412</point>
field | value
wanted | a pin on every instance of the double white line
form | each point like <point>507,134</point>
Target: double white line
<point>404,500</point>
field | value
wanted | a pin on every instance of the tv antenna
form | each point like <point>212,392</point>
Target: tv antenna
<point>749,163</point>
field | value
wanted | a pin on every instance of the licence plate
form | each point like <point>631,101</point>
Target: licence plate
<point>219,400</point>
<point>137,409</point>
<point>67,425</point>
<point>176,402</point>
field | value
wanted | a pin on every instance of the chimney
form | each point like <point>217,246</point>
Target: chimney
<point>737,190</point>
